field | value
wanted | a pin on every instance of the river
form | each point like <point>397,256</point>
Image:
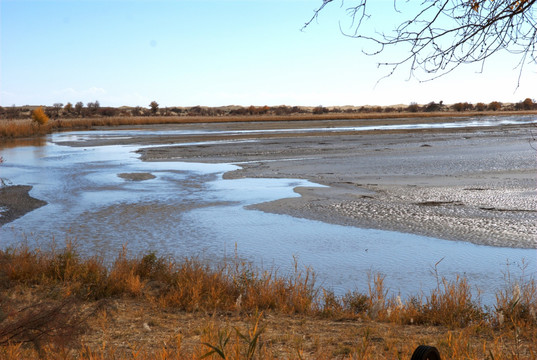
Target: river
<point>189,210</point>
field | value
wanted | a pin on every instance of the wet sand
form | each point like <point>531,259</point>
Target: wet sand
<point>476,185</point>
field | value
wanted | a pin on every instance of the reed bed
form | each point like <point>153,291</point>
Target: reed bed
<point>58,304</point>
<point>27,127</point>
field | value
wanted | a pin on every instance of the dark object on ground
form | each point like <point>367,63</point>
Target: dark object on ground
<point>424,352</point>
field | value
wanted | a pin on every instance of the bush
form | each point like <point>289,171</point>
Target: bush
<point>480,106</point>
<point>39,116</point>
<point>462,106</point>
<point>413,107</point>
<point>528,104</point>
<point>432,106</point>
<point>495,106</point>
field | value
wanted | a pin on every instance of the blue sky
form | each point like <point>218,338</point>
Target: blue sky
<point>216,52</point>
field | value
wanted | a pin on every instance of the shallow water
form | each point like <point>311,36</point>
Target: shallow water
<point>189,210</point>
<point>477,121</point>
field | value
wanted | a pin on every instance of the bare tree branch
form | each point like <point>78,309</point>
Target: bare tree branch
<point>443,34</point>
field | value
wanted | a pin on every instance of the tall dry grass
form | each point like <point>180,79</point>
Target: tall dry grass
<point>26,127</point>
<point>191,285</point>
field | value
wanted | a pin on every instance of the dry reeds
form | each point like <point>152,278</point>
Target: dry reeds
<point>68,286</point>
<point>189,285</point>
<point>25,127</point>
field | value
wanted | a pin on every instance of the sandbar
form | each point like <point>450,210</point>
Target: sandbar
<point>469,184</point>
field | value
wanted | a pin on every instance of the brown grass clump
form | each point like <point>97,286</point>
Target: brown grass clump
<point>450,304</point>
<point>57,304</point>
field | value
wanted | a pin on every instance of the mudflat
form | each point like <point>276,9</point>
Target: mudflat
<point>466,184</point>
<point>473,184</point>
<point>15,201</point>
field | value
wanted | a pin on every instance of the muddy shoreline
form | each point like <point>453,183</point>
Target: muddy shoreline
<point>475,185</point>
<point>15,201</point>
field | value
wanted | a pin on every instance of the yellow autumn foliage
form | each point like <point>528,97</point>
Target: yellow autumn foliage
<point>39,116</point>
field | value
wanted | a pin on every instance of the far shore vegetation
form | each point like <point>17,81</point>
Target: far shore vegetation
<point>24,121</point>
<point>56,304</point>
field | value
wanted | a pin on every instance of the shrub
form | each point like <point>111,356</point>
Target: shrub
<point>154,107</point>
<point>432,106</point>
<point>78,108</point>
<point>320,110</point>
<point>495,106</point>
<point>39,116</point>
<point>413,107</point>
<point>528,104</point>
<point>480,106</point>
<point>462,106</point>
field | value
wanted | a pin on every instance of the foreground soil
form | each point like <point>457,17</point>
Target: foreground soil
<point>140,326</point>
<point>137,329</point>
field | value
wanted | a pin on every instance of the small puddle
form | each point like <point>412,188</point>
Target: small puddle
<point>188,209</point>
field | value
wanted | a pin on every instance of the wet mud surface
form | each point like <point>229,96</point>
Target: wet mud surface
<point>136,176</point>
<point>476,185</point>
<point>15,201</point>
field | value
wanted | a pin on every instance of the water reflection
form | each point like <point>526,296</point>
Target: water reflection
<point>33,141</point>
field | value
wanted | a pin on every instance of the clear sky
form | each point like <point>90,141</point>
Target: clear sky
<point>215,52</point>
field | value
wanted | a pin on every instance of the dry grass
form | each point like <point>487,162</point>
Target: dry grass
<point>188,285</point>
<point>161,308</point>
<point>26,128</point>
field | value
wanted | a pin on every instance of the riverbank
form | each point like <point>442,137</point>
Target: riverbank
<point>21,128</point>
<point>15,201</point>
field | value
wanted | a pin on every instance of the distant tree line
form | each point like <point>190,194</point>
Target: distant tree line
<point>94,109</point>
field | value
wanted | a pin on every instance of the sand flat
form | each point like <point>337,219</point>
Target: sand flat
<point>473,184</point>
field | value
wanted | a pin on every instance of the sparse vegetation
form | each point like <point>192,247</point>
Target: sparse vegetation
<point>14,122</point>
<point>235,311</point>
